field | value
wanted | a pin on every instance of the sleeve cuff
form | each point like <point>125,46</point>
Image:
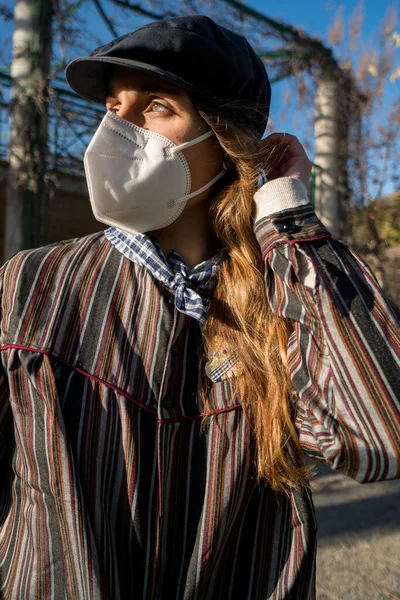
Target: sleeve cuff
<point>290,226</point>
<point>280,194</point>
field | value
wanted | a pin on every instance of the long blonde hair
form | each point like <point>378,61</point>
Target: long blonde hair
<point>242,321</point>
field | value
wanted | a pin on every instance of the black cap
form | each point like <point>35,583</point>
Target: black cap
<point>217,67</point>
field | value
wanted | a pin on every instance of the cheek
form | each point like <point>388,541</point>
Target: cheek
<point>211,153</point>
<point>176,132</point>
<point>205,162</point>
<point>185,132</point>
<point>198,157</point>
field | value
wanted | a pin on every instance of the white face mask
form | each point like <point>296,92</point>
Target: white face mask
<point>138,180</point>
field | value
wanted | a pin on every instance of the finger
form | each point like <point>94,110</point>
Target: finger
<point>293,145</point>
<point>280,134</point>
<point>280,138</point>
<point>286,139</point>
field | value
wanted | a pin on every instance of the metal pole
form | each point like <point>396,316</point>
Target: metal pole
<point>27,190</point>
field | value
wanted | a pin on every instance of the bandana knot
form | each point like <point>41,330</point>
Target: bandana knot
<point>186,284</point>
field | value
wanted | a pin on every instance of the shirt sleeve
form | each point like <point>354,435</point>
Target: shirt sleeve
<point>6,427</point>
<point>344,352</point>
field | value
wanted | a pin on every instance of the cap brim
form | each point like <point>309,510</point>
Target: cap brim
<point>89,77</point>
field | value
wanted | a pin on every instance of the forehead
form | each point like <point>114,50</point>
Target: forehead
<point>124,78</point>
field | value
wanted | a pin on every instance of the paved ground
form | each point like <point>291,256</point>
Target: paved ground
<point>359,538</point>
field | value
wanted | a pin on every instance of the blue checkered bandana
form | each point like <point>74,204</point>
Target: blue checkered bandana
<point>186,284</point>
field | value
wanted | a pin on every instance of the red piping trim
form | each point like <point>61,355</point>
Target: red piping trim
<point>297,241</point>
<point>63,362</point>
<point>114,387</point>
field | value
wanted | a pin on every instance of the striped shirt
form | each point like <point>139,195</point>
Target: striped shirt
<point>110,488</point>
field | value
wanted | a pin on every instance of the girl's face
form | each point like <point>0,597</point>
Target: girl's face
<point>154,104</point>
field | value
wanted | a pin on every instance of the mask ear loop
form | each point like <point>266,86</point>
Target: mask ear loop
<point>172,203</point>
<point>197,140</point>
<point>192,142</point>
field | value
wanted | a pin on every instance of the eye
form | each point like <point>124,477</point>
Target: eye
<point>158,107</point>
<point>113,109</point>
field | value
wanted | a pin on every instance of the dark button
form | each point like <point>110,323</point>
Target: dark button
<point>174,350</point>
<point>289,227</point>
<point>167,403</point>
<point>171,299</point>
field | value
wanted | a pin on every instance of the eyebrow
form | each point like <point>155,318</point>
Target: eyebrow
<point>112,91</point>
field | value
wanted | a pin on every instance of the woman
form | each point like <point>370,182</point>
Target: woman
<point>162,381</point>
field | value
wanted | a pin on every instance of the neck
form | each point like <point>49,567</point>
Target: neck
<point>190,235</point>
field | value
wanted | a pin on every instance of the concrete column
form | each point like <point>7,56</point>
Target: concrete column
<point>27,189</point>
<point>20,72</point>
<point>326,129</point>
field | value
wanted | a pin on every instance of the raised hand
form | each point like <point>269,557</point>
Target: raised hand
<point>286,157</point>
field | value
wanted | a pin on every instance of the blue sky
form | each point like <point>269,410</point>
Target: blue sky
<point>314,16</point>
